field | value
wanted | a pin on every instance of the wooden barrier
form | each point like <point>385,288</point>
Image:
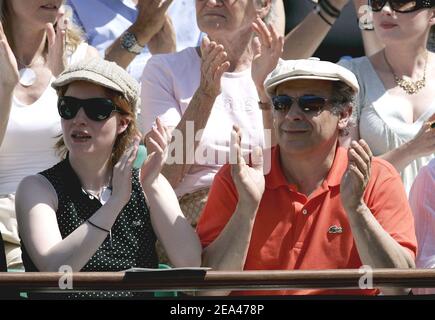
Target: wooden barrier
<point>186,280</point>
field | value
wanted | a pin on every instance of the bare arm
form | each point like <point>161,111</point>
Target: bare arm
<point>6,95</point>
<point>214,64</point>
<point>278,16</point>
<point>422,145</point>
<point>229,250</point>
<point>371,41</point>
<point>306,37</point>
<point>8,81</point>
<point>172,228</point>
<point>150,20</point>
<point>375,246</point>
<point>36,205</point>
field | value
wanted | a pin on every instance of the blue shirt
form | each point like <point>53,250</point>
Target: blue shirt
<point>105,20</point>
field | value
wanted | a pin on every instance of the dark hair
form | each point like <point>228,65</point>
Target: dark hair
<point>123,140</point>
<point>343,97</point>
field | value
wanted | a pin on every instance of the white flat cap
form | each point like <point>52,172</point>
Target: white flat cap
<point>313,68</point>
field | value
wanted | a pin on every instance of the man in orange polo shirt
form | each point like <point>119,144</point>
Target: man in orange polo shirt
<point>321,206</point>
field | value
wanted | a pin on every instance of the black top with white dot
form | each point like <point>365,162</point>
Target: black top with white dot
<point>133,239</point>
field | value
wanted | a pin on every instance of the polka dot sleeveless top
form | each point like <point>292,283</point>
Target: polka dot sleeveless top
<point>132,240</point>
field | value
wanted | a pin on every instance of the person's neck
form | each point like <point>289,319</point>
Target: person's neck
<point>407,60</point>
<point>307,171</point>
<point>28,42</point>
<point>238,48</point>
<point>93,172</point>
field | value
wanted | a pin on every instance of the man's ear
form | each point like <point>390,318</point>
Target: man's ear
<point>344,117</point>
<point>432,19</point>
<point>123,124</point>
<point>264,8</point>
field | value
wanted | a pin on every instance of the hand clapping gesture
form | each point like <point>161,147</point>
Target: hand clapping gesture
<point>122,173</point>
<point>249,181</point>
<point>157,142</point>
<point>357,176</point>
<point>213,65</point>
<point>151,16</point>
<point>56,43</point>
<point>424,142</point>
<point>268,48</point>
<point>9,75</point>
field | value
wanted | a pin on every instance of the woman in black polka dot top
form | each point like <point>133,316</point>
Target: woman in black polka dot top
<point>93,211</point>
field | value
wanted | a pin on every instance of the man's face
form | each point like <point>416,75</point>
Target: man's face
<point>300,132</point>
<point>225,16</point>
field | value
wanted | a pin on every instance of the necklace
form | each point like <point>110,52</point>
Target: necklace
<point>103,195</point>
<point>27,75</point>
<point>406,83</point>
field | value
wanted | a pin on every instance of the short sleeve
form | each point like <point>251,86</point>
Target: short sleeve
<point>386,197</point>
<point>221,204</point>
<point>157,95</point>
<point>422,204</point>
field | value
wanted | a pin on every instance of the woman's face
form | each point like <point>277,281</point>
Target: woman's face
<point>35,12</point>
<point>227,16</point>
<point>85,136</point>
<point>392,26</point>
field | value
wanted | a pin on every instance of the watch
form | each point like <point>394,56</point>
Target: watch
<point>129,43</point>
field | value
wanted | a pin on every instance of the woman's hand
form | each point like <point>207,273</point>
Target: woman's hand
<point>122,173</point>
<point>423,143</point>
<point>150,19</point>
<point>9,75</point>
<point>57,43</point>
<point>214,63</point>
<point>268,48</point>
<point>157,142</point>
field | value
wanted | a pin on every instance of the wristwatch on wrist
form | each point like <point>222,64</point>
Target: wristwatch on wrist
<point>129,43</point>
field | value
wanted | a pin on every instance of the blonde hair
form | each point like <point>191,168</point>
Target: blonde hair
<point>123,140</point>
<point>74,34</point>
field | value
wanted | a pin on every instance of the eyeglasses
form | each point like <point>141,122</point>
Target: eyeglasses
<point>97,109</point>
<point>307,103</point>
<point>402,6</point>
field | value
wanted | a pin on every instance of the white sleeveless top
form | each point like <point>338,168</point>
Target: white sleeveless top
<point>381,122</point>
<point>32,131</point>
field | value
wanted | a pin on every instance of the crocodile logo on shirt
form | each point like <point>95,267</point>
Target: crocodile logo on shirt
<point>335,229</point>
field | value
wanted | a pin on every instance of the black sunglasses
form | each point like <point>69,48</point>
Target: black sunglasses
<point>97,109</point>
<point>402,6</point>
<point>307,103</point>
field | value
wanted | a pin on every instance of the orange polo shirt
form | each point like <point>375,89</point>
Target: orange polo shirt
<point>295,232</point>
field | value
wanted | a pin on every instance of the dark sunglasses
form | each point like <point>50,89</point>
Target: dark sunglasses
<point>402,6</point>
<point>97,109</point>
<point>307,103</point>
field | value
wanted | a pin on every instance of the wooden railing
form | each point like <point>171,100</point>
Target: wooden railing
<point>187,280</point>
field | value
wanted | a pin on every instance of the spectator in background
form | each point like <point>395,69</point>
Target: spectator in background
<point>36,43</point>
<point>211,88</point>
<point>321,206</point>
<point>94,196</point>
<point>396,103</point>
<point>422,201</point>
<point>156,28</point>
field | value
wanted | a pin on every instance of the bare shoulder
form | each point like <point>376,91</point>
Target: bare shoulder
<point>35,189</point>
